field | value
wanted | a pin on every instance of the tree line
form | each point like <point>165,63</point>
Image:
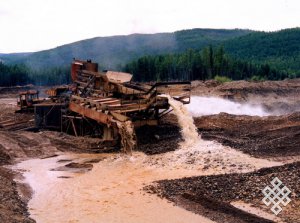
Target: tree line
<point>13,75</point>
<point>208,63</point>
<point>20,74</point>
<point>200,65</point>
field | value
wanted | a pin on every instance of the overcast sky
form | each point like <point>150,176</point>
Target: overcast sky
<point>32,25</point>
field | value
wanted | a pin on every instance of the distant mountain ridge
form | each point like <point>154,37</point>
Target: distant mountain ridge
<point>111,52</point>
<point>280,49</point>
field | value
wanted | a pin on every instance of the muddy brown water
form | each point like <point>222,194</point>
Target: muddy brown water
<point>113,190</point>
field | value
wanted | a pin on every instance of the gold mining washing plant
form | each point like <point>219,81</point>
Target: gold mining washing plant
<point>107,104</point>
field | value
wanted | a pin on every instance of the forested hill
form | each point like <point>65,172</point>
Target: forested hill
<point>113,51</point>
<point>257,55</point>
<point>187,54</point>
<point>280,49</point>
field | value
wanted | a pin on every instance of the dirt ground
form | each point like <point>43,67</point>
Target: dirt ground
<point>12,207</point>
<point>273,137</point>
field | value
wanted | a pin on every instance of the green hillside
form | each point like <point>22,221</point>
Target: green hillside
<point>280,49</point>
<point>111,52</point>
<point>257,55</point>
<point>237,54</point>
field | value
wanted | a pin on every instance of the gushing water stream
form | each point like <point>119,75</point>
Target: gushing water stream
<point>186,122</point>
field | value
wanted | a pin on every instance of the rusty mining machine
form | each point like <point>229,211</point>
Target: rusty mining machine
<point>107,104</point>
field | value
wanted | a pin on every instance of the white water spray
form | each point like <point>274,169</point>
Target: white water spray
<point>212,105</point>
<point>186,122</point>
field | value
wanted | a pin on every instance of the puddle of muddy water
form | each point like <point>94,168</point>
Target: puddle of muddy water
<point>110,192</point>
<point>113,190</point>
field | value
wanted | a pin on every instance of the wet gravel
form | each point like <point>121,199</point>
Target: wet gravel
<point>158,139</point>
<point>223,189</point>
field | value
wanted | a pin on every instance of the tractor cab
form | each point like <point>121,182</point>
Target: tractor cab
<point>27,99</point>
